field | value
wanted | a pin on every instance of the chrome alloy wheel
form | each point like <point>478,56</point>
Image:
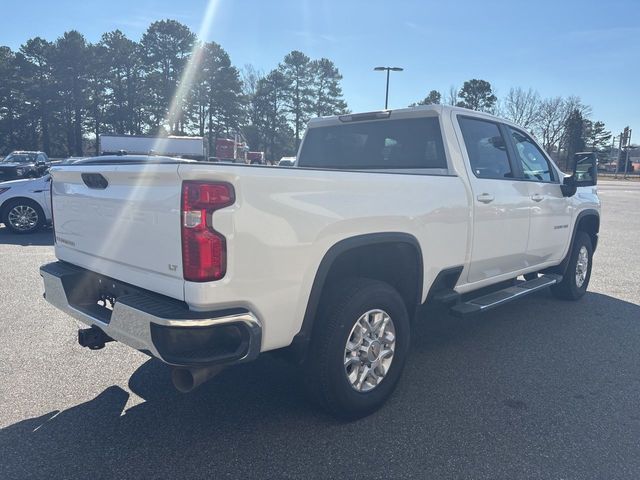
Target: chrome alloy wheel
<point>23,218</point>
<point>582,266</point>
<point>369,350</point>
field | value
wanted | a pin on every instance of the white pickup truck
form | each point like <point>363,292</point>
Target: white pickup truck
<point>204,265</point>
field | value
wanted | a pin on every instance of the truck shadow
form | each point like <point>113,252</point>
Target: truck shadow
<point>489,374</point>
<point>42,238</point>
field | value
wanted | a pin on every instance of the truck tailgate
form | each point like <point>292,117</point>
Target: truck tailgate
<point>128,229</point>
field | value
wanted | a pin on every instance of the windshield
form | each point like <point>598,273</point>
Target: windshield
<point>20,158</point>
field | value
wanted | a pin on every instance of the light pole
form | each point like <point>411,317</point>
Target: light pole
<point>388,69</point>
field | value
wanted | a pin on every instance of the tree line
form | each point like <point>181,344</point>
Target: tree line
<point>59,96</point>
<point>561,124</point>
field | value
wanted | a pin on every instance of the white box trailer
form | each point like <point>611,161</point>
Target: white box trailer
<point>183,147</point>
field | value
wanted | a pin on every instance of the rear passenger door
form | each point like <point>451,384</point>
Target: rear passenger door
<point>501,203</point>
<point>550,211</point>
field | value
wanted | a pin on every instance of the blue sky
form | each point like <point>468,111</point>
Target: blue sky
<point>585,48</point>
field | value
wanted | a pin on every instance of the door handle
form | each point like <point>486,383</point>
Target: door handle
<point>536,197</point>
<point>485,198</point>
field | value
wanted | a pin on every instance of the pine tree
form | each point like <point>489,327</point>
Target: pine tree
<point>97,68</point>
<point>70,64</point>
<point>123,78</point>
<point>434,98</point>
<point>272,131</point>
<point>326,92</point>
<point>11,99</point>
<point>36,71</point>
<point>574,133</point>
<point>216,100</point>
<point>165,47</point>
<point>477,95</point>
<point>596,135</point>
<point>298,77</point>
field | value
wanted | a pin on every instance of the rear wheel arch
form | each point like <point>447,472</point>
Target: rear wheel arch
<point>402,250</point>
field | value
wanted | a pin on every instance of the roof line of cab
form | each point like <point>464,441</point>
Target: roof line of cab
<point>420,110</point>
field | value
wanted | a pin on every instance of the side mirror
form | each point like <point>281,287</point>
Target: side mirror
<point>585,174</point>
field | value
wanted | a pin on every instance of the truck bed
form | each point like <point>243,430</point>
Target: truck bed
<point>282,223</point>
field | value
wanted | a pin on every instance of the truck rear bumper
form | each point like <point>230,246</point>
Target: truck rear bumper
<point>160,326</point>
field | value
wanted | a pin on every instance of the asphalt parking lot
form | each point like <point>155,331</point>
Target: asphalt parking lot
<point>538,389</point>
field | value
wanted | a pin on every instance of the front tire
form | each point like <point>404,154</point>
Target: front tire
<point>576,279</point>
<point>23,216</point>
<point>358,349</point>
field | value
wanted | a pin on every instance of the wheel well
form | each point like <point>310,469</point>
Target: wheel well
<point>588,221</point>
<point>590,224</point>
<point>392,257</point>
<point>11,201</point>
<point>396,263</point>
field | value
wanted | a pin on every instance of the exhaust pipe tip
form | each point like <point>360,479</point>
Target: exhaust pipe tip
<point>186,380</point>
<point>182,379</point>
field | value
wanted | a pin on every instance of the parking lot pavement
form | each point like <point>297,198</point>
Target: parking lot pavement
<point>537,389</point>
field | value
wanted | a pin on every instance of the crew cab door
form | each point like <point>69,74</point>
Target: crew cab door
<point>549,230</point>
<point>501,203</point>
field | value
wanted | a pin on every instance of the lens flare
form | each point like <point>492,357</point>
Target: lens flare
<point>139,190</point>
<point>190,70</point>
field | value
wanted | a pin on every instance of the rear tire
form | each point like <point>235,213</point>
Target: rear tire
<point>358,349</point>
<point>23,216</point>
<point>578,273</point>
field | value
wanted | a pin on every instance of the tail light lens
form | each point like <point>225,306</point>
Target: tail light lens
<point>204,251</point>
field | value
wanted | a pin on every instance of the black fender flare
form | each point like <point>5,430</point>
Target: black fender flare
<point>302,338</point>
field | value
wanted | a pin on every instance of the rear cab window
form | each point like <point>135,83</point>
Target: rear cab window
<point>486,148</point>
<point>413,144</point>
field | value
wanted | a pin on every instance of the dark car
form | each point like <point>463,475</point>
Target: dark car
<point>22,164</point>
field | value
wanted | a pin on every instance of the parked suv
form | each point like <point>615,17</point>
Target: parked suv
<point>23,164</point>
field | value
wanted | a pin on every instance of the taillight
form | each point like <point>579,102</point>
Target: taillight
<point>204,251</point>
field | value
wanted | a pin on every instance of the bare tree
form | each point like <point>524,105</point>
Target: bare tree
<point>250,76</point>
<point>521,107</point>
<point>452,95</point>
<point>550,123</point>
<point>572,105</point>
<point>575,103</point>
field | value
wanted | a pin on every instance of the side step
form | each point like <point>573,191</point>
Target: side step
<point>495,299</point>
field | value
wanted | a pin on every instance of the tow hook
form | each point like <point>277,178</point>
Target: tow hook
<point>93,338</point>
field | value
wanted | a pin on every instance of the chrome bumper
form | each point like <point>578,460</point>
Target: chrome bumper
<point>156,325</point>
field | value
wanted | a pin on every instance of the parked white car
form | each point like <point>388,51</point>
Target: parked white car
<point>25,205</point>
<point>204,265</point>
<point>287,162</point>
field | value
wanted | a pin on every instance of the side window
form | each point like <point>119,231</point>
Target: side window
<point>486,148</point>
<point>535,166</point>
